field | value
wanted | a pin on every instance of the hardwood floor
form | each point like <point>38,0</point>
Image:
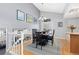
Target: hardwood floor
<point>65,47</point>
<point>26,52</point>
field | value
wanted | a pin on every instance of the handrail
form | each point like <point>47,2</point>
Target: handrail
<point>17,48</point>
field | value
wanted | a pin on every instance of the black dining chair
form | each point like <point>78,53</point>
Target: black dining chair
<point>41,40</point>
<point>34,35</point>
<point>37,39</point>
<point>52,38</point>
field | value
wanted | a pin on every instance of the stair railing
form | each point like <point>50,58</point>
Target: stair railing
<point>17,46</point>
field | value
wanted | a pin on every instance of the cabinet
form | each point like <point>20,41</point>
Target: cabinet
<point>74,43</point>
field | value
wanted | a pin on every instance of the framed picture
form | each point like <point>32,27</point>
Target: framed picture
<point>20,15</point>
<point>29,18</point>
<point>34,20</point>
<point>60,24</point>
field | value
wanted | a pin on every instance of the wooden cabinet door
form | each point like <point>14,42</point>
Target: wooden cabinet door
<point>74,43</point>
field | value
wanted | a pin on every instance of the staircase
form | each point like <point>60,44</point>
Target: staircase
<point>17,46</point>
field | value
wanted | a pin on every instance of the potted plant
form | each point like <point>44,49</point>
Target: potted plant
<point>72,27</point>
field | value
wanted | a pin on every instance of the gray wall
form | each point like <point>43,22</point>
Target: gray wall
<point>8,16</point>
<point>55,18</point>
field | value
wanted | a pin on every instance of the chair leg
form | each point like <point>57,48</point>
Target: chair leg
<point>41,47</point>
<point>36,45</point>
<point>52,42</point>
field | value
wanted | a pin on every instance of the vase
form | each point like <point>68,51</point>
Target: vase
<point>72,30</point>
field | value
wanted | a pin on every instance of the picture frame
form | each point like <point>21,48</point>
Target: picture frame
<point>34,20</point>
<point>20,15</point>
<point>60,24</point>
<point>29,18</point>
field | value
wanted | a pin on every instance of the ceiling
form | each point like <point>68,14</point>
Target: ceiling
<point>72,11</point>
<point>51,7</point>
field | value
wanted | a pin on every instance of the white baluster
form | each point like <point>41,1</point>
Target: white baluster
<point>22,37</point>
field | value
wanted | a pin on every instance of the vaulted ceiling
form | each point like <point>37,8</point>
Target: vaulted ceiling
<point>70,10</point>
<point>51,7</point>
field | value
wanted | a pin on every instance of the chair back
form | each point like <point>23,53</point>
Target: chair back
<point>53,34</point>
<point>53,37</point>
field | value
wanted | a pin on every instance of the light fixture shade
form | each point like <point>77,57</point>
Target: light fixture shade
<point>40,18</point>
<point>44,19</point>
<point>47,20</point>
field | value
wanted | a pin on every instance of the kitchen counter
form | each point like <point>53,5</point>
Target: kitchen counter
<point>76,33</point>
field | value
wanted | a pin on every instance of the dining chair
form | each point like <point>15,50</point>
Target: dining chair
<point>41,40</point>
<point>34,35</point>
<point>52,39</point>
